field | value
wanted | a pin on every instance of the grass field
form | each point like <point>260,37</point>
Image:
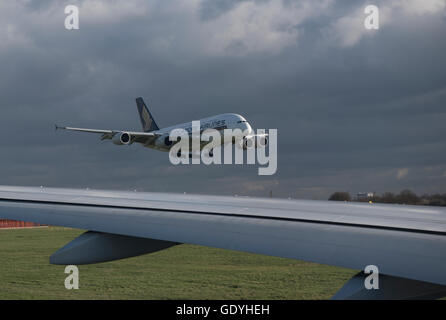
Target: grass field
<point>181,272</point>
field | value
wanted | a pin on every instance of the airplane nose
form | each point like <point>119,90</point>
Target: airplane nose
<point>247,127</point>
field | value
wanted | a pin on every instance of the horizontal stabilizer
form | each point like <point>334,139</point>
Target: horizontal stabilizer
<point>95,247</point>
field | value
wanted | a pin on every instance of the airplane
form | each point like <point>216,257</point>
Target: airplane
<point>154,137</point>
<point>406,243</point>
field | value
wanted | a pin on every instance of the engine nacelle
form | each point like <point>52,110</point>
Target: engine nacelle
<point>254,141</point>
<point>95,247</point>
<point>122,138</point>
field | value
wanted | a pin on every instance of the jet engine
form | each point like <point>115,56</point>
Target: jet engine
<point>254,141</point>
<point>122,138</point>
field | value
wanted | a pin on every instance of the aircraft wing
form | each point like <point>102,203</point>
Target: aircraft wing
<point>406,243</point>
<point>108,134</point>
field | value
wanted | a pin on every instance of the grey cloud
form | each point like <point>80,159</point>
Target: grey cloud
<point>348,117</point>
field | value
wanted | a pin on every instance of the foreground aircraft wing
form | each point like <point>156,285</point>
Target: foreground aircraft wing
<point>109,134</point>
<point>406,243</point>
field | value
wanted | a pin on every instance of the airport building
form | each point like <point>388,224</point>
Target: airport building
<point>364,195</point>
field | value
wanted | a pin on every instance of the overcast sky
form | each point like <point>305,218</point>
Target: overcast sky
<point>356,109</point>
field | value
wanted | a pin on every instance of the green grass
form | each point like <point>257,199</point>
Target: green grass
<point>181,272</point>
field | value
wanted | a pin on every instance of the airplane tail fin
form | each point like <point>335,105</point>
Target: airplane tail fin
<point>147,121</point>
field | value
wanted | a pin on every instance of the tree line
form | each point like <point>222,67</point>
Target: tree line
<point>404,197</point>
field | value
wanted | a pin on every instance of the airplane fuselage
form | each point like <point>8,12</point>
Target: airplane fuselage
<point>154,137</point>
<point>219,122</point>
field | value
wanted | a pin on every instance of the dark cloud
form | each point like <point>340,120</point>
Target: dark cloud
<point>212,9</point>
<point>350,114</point>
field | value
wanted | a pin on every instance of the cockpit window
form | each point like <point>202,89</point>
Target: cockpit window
<point>240,121</point>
